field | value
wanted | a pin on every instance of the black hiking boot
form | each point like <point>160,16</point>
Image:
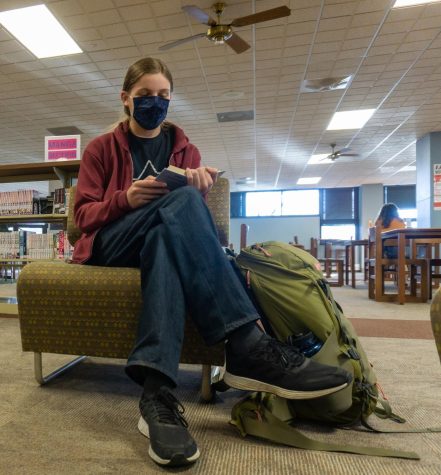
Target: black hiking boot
<point>162,421</point>
<point>275,367</point>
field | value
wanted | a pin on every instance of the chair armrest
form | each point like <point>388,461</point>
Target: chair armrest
<point>218,200</point>
<point>73,233</point>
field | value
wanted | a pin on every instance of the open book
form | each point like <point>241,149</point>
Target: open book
<point>173,176</point>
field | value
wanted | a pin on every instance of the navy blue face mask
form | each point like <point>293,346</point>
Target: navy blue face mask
<point>150,111</point>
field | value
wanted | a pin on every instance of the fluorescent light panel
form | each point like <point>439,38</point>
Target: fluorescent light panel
<point>408,168</point>
<point>313,180</point>
<point>39,31</point>
<point>412,3</point>
<point>350,119</point>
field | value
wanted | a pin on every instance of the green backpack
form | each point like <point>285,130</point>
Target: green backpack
<point>292,294</point>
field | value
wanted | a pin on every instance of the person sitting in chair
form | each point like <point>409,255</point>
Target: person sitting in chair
<point>130,219</point>
<point>388,218</point>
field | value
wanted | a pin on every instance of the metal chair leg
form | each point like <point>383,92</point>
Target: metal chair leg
<point>210,376</point>
<point>206,389</point>
<point>38,368</point>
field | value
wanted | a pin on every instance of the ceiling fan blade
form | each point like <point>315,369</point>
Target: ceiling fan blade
<point>199,15</point>
<point>181,41</point>
<point>237,43</point>
<point>343,150</point>
<point>349,154</point>
<point>266,15</point>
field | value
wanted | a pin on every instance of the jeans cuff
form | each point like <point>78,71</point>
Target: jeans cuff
<point>215,338</point>
<point>135,371</point>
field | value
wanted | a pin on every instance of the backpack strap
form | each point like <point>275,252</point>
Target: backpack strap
<point>385,412</point>
<point>253,417</point>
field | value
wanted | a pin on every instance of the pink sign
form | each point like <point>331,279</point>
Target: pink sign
<point>65,147</point>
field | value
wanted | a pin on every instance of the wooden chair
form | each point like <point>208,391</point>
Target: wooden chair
<point>93,310</point>
<point>332,265</point>
<point>429,249</point>
<point>243,235</point>
<point>380,269</point>
<point>313,250</point>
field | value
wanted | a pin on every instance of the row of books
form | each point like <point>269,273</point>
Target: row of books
<point>28,245</point>
<point>21,202</point>
<point>61,201</point>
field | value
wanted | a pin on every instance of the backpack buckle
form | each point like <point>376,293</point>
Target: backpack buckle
<point>353,354</point>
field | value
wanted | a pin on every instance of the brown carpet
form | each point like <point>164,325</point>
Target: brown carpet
<point>391,328</point>
<point>84,422</point>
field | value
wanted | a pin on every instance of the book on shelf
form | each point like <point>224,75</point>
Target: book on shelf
<point>20,202</point>
<point>59,206</point>
<point>173,176</point>
<point>29,245</point>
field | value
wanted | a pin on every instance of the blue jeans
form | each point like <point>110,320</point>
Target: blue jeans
<point>173,241</point>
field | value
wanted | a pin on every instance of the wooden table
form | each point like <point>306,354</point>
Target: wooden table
<point>350,257</point>
<point>403,235</point>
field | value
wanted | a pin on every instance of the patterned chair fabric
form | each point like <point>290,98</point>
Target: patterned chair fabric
<point>93,310</point>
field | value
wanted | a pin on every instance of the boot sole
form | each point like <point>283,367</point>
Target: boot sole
<point>177,460</point>
<point>246,384</point>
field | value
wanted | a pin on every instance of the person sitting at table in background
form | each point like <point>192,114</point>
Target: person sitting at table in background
<point>388,218</point>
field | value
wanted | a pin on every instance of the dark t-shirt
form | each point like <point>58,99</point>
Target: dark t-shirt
<point>150,156</point>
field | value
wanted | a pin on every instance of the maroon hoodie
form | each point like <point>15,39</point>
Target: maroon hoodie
<point>106,173</point>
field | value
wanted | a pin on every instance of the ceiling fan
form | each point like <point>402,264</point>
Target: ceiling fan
<point>221,33</point>
<point>339,153</point>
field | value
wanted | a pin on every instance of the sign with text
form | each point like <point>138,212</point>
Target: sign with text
<point>437,187</point>
<point>62,147</point>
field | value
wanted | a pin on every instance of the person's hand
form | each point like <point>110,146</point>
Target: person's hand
<point>202,178</point>
<point>145,191</point>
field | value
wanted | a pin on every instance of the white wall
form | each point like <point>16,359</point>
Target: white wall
<point>276,229</point>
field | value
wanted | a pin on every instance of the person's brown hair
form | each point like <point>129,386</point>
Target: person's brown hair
<point>387,214</point>
<point>141,67</point>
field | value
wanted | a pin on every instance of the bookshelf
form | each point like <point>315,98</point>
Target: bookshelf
<point>64,171</point>
<point>32,218</point>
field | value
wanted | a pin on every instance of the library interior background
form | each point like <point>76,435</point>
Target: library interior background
<point>319,112</point>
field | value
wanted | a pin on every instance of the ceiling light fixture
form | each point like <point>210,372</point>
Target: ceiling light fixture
<point>325,84</point>
<point>350,119</point>
<point>235,116</point>
<point>39,31</point>
<point>412,3</point>
<point>408,168</point>
<point>313,180</point>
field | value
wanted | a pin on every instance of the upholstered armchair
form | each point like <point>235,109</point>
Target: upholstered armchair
<point>92,311</point>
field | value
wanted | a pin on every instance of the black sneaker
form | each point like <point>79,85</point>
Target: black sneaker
<point>275,367</point>
<point>162,421</point>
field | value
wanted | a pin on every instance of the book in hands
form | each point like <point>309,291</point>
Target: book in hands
<point>173,176</point>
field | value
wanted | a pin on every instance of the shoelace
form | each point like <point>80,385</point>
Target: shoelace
<point>168,409</point>
<point>286,355</point>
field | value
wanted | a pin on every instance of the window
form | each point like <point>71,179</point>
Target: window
<point>339,213</point>
<point>275,203</point>
<point>263,203</point>
<point>338,231</point>
<point>300,202</point>
<point>404,196</point>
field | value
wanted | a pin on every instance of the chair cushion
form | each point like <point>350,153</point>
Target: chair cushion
<point>92,310</point>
